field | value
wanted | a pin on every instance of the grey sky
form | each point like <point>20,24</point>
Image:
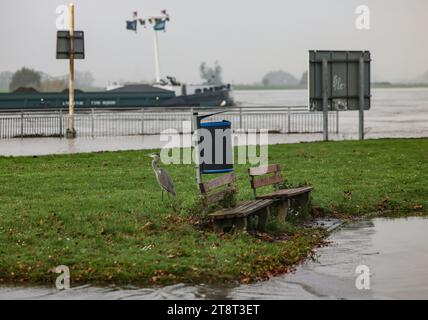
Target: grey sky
<point>248,38</point>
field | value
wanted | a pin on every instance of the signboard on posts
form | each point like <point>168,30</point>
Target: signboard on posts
<point>339,80</point>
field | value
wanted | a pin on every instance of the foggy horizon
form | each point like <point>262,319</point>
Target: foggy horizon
<point>247,39</point>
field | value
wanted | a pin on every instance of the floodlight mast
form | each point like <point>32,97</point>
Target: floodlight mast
<point>155,20</point>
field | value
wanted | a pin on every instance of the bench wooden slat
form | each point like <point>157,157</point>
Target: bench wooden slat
<point>243,210</point>
<point>231,212</point>
<point>257,205</point>
<point>216,183</point>
<point>286,193</point>
<point>259,171</point>
<point>265,181</point>
<point>254,206</point>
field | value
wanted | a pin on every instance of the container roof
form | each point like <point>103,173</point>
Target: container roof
<point>139,88</point>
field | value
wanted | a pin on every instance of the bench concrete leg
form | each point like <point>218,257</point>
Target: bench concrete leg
<point>240,223</point>
<point>302,203</point>
<point>220,225</point>
<point>262,219</point>
<point>283,210</point>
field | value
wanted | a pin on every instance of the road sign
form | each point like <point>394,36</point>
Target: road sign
<point>63,45</point>
<point>343,80</point>
<point>339,81</point>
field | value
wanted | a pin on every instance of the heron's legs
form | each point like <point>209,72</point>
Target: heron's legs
<point>162,194</point>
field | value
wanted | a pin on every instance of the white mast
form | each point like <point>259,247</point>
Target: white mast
<point>156,45</point>
<point>159,22</point>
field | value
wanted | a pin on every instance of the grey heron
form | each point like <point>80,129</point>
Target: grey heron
<point>162,176</point>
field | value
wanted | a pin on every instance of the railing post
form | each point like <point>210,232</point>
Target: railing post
<point>22,124</point>
<point>142,121</point>
<point>289,120</point>
<point>60,123</point>
<point>337,121</point>
<point>240,118</point>
<point>93,123</point>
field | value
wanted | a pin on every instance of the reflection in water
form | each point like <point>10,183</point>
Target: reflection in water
<point>396,251</point>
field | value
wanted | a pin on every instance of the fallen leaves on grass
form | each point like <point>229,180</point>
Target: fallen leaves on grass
<point>418,207</point>
<point>146,226</point>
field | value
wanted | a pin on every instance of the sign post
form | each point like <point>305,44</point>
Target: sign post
<point>325,98</point>
<point>361,99</point>
<point>70,45</point>
<point>71,131</point>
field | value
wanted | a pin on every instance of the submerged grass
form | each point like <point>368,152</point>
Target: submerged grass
<point>102,215</point>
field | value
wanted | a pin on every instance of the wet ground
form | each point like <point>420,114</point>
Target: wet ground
<point>394,250</point>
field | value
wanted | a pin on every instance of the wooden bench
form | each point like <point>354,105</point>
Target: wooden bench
<point>297,199</point>
<point>234,216</point>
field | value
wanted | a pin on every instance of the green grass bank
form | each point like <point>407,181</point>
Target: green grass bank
<point>102,215</point>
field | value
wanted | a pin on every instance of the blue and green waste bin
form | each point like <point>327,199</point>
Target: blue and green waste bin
<point>221,159</point>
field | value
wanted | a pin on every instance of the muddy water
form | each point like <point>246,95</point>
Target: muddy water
<point>395,113</point>
<point>396,252</point>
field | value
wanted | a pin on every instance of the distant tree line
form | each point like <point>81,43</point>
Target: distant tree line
<point>30,78</point>
<point>25,77</point>
<point>284,79</point>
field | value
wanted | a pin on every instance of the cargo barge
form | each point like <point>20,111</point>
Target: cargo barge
<point>129,96</point>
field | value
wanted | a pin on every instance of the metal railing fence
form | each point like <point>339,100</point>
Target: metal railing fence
<point>151,121</point>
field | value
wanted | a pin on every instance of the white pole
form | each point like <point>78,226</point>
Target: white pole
<point>156,45</point>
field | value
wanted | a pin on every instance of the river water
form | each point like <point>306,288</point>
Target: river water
<point>394,250</point>
<point>395,113</point>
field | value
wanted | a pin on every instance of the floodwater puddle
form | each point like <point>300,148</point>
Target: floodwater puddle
<point>395,251</point>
